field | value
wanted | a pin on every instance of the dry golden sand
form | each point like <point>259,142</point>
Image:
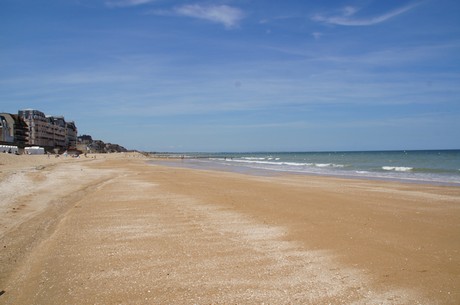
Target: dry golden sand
<point>113,230</point>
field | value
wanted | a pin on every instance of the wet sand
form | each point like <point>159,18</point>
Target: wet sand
<point>114,230</point>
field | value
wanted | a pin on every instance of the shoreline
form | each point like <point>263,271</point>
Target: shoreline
<point>179,163</point>
<point>124,232</point>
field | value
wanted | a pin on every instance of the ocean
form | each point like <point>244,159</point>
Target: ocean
<point>421,166</point>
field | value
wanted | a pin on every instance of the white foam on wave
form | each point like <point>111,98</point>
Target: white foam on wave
<point>254,158</point>
<point>268,162</point>
<point>296,164</point>
<point>286,165</point>
<point>397,168</point>
<point>251,161</point>
<point>329,165</point>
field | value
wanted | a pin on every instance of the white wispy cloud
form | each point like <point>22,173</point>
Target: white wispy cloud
<point>223,14</point>
<point>126,3</point>
<point>317,35</point>
<point>348,18</point>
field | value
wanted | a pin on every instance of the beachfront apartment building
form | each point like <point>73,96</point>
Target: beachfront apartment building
<point>13,130</point>
<point>40,130</point>
<point>49,131</point>
<point>71,134</point>
<point>58,128</point>
<point>6,128</point>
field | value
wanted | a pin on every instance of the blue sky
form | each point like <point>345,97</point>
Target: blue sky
<point>239,75</point>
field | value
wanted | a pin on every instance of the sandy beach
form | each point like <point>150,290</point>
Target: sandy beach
<point>113,229</point>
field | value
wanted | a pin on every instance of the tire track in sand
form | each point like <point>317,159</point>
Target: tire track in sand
<point>130,242</point>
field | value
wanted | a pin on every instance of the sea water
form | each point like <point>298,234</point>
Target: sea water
<point>424,166</point>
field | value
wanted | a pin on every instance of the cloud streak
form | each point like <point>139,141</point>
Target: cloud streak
<point>347,18</point>
<point>126,3</point>
<point>223,14</point>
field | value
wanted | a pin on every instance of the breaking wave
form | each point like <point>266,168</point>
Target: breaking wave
<point>397,168</point>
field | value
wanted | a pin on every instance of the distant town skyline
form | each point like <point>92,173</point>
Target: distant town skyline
<point>239,75</point>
